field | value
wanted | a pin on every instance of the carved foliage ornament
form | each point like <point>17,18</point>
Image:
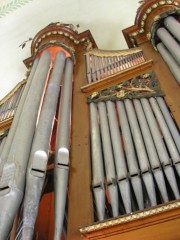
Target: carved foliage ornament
<point>145,85</point>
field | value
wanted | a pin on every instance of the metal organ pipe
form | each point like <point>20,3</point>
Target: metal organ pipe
<point>108,159</point>
<point>97,163</point>
<point>61,170</point>
<point>130,154</point>
<point>119,158</point>
<point>171,62</point>
<point>170,43</point>
<point>13,128</point>
<point>141,152</point>
<point>36,171</point>
<point>151,150</point>
<point>173,26</point>
<point>169,120</point>
<point>12,187</point>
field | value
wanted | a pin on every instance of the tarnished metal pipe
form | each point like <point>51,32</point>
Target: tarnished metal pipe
<point>12,187</point>
<point>173,26</point>
<point>169,120</point>
<point>167,136</point>
<point>108,159</point>
<point>13,128</point>
<point>97,163</point>
<point>36,171</point>
<point>61,169</point>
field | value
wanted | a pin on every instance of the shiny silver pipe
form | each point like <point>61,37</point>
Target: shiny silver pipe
<point>101,67</point>
<point>88,69</point>
<point>97,163</point>
<point>173,26</point>
<point>61,169</point>
<point>170,43</point>
<point>171,62</point>
<point>36,171</point>
<point>121,169</point>
<point>108,159</point>
<point>130,153</point>
<point>13,176</point>
<point>166,133</point>
<point>13,128</point>
<point>106,66</point>
<point>97,68</point>
<point>170,122</point>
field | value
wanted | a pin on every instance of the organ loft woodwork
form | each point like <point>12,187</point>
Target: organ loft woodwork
<point>89,142</point>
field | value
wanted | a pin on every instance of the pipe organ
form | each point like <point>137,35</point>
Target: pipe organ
<point>89,143</point>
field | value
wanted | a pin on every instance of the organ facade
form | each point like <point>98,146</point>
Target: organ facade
<point>90,144</point>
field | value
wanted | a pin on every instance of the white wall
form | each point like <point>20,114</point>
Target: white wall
<point>105,20</point>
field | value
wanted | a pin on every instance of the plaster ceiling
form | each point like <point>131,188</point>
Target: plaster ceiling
<point>22,19</point>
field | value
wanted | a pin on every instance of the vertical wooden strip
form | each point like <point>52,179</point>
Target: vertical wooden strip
<point>80,211</point>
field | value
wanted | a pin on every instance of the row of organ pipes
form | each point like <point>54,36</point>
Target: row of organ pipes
<point>169,45</point>
<point>27,146</point>
<point>100,67</point>
<point>135,152</point>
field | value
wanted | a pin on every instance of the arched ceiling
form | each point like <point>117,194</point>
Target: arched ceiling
<point>22,19</point>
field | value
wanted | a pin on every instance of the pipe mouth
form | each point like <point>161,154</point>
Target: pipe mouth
<point>4,190</point>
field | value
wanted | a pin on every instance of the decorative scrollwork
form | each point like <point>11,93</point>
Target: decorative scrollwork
<point>145,85</point>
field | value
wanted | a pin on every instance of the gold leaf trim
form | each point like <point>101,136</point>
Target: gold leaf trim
<point>133,216</point>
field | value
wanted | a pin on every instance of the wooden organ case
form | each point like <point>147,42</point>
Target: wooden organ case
<point>113,134</point>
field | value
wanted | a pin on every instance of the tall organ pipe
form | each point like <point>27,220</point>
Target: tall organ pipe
<point>141,151</point>
<point>130,154</point>
<point>169,120</point>
<point>171,62</point>
<point>121,169</point>
<point>108,159</point>
<point>151,150</point>
<point>36,171</point>
<point>61,170</point>
<point>173,26</point>
<point>170,43</point>
<point>13,128</point>
<point>97,163</point>
<point>13,177</point>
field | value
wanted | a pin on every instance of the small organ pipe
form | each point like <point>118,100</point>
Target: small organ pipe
<point>2,144</point>
<point>108,159</point>
<point>93,68</point>
<point>161,149</point>
<point>151,150</point>
<point>136,134</point>
<point>128,143</point>
<point>169,120</point>
<point>88,69</point>
<point>130,153</point>
<point>167,136</point>
<point>171,62</point>
<point>173,26</point>
<point>119,158</point>
<point>97,163</point>
<point>12,130</point>
<point>11,188</point>
<point>36,171</point>
<point>170,43</point>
